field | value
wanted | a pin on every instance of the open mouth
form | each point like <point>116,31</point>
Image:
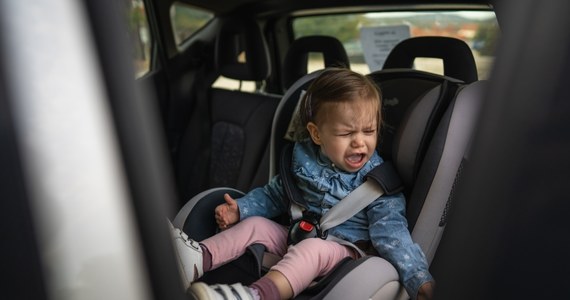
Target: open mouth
<point>355,160</point>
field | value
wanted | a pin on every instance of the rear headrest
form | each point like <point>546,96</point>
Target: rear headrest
<point>458,61</point>
<point>297,57</point>
<point>237,36</point>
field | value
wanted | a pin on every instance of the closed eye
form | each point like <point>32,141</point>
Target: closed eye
<point>344,134</point>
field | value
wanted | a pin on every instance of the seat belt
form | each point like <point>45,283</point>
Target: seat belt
<point>349,206</point>
<point>383,179</point>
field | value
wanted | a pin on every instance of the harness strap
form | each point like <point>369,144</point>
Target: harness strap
<point>385,180</point>
<point>386,176</point>
<point>296,201</point>
<point>350,205</point>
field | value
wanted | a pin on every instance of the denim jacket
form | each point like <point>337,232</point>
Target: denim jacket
<point>382,222</point>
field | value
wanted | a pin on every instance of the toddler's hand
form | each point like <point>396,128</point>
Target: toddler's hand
<point>227,214</point>
<point>426,291</point>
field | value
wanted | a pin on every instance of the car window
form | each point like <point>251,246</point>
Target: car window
<point>186,20</point>
<point>139,33</point>
<point>368,37</point>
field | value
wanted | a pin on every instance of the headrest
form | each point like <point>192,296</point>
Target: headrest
<point>458,61</point>
<point>237,36</point>
<point>297,57</point>
<point>283,116</point>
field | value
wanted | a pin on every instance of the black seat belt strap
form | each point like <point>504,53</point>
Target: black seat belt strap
<point>296,202</point>
<point>386,176</point>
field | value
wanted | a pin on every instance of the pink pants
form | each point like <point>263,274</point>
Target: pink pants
<point>301,263</point>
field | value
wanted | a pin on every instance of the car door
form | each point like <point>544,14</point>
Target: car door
<point>82,165</point>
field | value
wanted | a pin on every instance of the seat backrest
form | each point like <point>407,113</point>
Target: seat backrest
<point>239,122</point>
<point>241,51</point>
<point>282,119</point>
<point>457,58</point>
<point>295,64</point>
<point>445,158</point>
<point>402,87</point>
<point>413,102</point>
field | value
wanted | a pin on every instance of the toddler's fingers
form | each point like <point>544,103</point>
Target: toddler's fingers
<point>229,200</point>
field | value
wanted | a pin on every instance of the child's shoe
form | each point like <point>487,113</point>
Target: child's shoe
<point>189,255</point>
<point>235,291</point>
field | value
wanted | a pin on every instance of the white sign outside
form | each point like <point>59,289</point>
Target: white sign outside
<point>377,42</point>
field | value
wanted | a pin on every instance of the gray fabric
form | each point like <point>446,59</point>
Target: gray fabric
<point>427,232</point>
<point>408,139</point>
<point>354,202</point>
<point>282,117</point>
<point>359,284</point>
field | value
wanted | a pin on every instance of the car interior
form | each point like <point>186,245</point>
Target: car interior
<point>478,138</point>
<point>425,134</point>
<point>424,99</point>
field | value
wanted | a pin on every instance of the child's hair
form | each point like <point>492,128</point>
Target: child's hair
<point>337,85</point>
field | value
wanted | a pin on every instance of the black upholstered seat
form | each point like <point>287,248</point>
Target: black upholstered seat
<point>297,57</point>
<point>239,122</point>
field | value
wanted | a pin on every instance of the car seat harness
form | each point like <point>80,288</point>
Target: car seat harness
<point>383,179</point>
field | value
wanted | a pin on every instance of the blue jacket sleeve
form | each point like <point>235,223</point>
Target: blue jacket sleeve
<point>267,201</point>
<point>391,238</point>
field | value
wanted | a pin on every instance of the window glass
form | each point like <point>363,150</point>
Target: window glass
<point>186,20</point>
<point>139,33</point>
<point>368,37</point>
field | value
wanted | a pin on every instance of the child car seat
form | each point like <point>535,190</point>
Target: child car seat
<point>410,142</point>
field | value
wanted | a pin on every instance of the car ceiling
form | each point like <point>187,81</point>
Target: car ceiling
<point>264,7</point>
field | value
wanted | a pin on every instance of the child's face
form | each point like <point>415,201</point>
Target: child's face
<point>346,132</point>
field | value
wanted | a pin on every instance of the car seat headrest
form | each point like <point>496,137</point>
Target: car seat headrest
<point>241,51</point>
<point>458,60</point>
<point>297,57</point>
<point>284,115</point>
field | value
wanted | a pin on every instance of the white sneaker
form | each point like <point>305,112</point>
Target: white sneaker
<point>189,255</point>
<point>235,291</point>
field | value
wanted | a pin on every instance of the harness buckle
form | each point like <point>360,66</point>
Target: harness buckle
<point>307,226</point>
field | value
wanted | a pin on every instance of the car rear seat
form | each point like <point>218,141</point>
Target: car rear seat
<point>240,121</point>
<point>352,278</point>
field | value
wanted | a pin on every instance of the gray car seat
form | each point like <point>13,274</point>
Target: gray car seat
<point>420,118</point>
